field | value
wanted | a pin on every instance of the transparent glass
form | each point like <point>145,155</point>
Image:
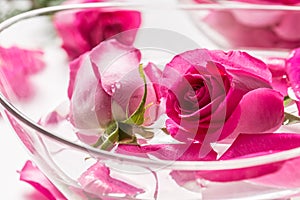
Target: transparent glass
<point>165,31</point>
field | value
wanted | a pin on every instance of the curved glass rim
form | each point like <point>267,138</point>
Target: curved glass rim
<point>177,165</point>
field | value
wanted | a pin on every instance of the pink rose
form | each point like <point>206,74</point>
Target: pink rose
<point>106,87</point>
<point>18,65</point>
<point>81,30</point>
<point>221,94</point>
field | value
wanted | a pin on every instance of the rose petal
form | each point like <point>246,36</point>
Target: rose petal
<point>287,176</point>
<point>90,104</point>
<point>257,18</point>
<point>288,28</point>
<point>293,71</point>
<point>17,65</point>
<point>279,77</point>
<point>260,110</point>
<point>32,175</point>
<point>114,62</point>
<point>97,180</point>
<point>239,35</point>
<point>249,146</point>
<point>239,62</point>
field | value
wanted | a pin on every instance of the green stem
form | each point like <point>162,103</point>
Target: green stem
<point>291,118</point>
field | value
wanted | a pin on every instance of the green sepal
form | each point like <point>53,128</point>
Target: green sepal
<point>126,134</point>
<point>109,137</point>
<point>287,101</point>
<point>137,117</point>
<point>290,119</point>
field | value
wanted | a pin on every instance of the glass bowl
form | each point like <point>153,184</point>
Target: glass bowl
<point>35,96</point>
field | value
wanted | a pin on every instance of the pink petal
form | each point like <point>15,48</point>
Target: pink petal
<point>64,24</point>
<point>239,35</point>
<point>238,62</point>
<point>114,62</point>
<point>288,28</point>
<point>250,146</point>
<point>18,65</point>
<point>80,35</point>
<point>279,77</point>
<point>293,71</point>
<point>97,180</point>
<point>32,175</point>
<point>257,18</point>
<point>155,76</point>
<point>171,152</point>
<point>90,104</point>
<point>260,110</point>
<point>287,176</point>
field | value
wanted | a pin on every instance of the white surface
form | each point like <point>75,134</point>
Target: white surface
<point>13,157</point>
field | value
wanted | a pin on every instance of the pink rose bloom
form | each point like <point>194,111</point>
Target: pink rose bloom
<point>81,30</point>
<point>18,65</point>
<point>218,94</point>
<point>106,86</point>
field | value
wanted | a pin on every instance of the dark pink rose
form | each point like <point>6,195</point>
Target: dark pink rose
<point>217,94</point>
<point>81,30</point>
<point>106,85</point>
<point>32,175</point>
<point>18,65</point>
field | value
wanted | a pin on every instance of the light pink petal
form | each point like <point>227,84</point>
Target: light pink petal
<point>155,75</point>
<point>288,176</point>
<point>154,95</point>
<point>288,28</point>
<point>32,175</point>
<point>181,152</point>
<point>97,181</point>
<point>257,18</point>
<point>17,66</point>
<point>90,104</point>
<point>239,35</point>
<point>293,71</point>
<point>268,2</point>
<point>114,62</point>
<point>279,77</point>
<point>226,175</point>
<point>65,26</point>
